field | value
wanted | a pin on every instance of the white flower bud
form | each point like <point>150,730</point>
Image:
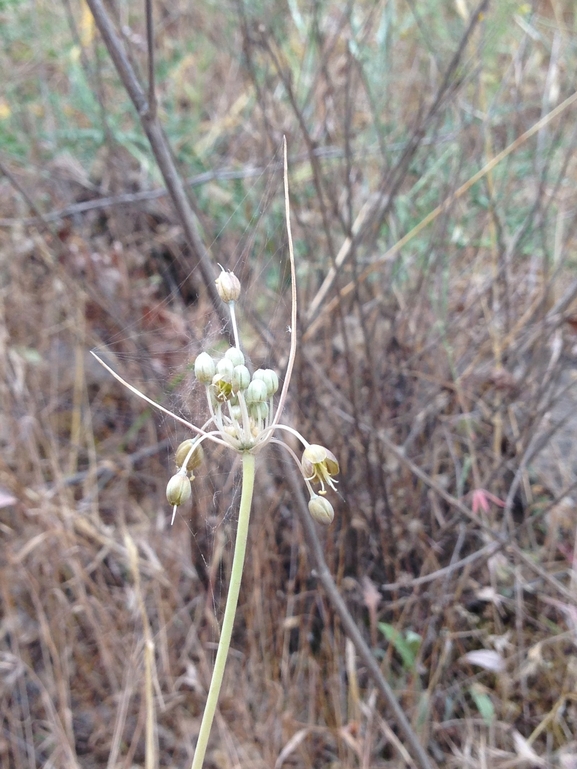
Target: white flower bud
<point>228,286</point>
<point>240,378</point>
<point>225,367</point>
<point>178,489</point>
<point>204,368</point>
<point>256,392</point>
<point>321,510</point>
<point>269,377</point>
<point>235,355</point>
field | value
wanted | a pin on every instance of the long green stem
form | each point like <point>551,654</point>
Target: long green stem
<point>248,472</point>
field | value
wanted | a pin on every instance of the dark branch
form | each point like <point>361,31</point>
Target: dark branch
<point>160,148</point>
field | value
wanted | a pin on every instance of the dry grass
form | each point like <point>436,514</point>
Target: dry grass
<point>442,377</point>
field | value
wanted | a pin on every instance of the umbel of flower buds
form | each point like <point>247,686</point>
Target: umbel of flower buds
<point>228,286</point>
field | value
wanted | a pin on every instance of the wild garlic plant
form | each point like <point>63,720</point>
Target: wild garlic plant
<point>243,416</point>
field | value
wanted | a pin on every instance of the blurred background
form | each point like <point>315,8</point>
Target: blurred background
<point>433,192</point>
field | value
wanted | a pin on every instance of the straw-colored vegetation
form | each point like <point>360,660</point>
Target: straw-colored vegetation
<point>433,187</point>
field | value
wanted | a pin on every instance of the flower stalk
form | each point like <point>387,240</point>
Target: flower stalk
<point>248,475</point>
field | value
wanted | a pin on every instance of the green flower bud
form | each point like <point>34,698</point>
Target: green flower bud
<point>204,368</point>
<point>269,377</point>
<point>235,355</point>
<point>256,392</point>
<point>240,378</point>
<point>228,286</point>
<point>236,413</point>
<point>194,460</point>
<point>178,489</point>
<point>321,510</point>
<point>258,411</point>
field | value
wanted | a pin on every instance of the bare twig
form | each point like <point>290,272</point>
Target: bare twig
<point>224,174</point>
<point>160,148</point>
<point>150,46</point>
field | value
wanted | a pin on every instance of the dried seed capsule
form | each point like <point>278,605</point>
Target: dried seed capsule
<point>321,510</point>
<point>178,489</point>
<point>228,286</point>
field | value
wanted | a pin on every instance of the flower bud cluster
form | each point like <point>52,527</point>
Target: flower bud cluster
<point>241,408</point>
<point>241,404</point>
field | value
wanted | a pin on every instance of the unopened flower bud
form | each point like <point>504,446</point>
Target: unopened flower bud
<point>183,451</point>
<point>256,392</point>
<point>269,377</point>
<point>225,367</point>
<point>235,355</point>
<point>321,510</point>
<point>258,411</point>
<point>228,286</point>
<point>236,413</point>
<point>240,378</point>
<point>178,489</point>
<point>204,368</point>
